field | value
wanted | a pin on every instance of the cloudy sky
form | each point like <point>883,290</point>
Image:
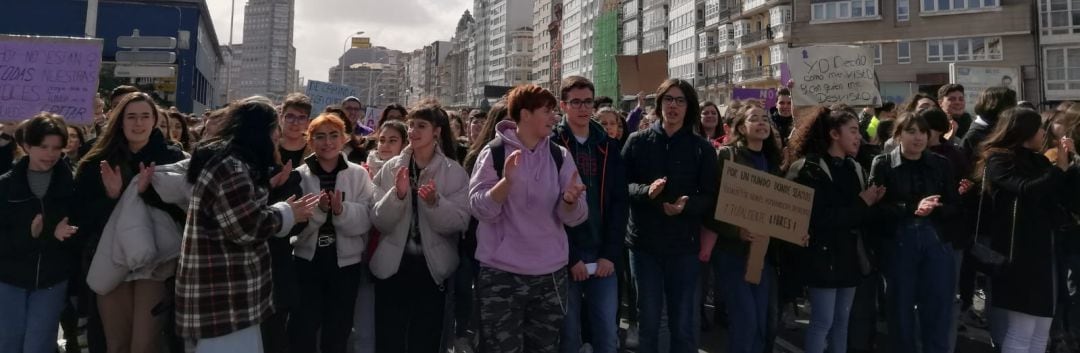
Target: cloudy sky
<point>322,26</point>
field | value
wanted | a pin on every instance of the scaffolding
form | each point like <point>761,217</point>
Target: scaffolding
<point>605,71</point>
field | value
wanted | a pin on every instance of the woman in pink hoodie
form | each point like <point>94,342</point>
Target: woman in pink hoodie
<point>523,191</point>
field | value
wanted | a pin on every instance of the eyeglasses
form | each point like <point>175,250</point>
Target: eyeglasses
<point>577,103</point>
<point>295,119</point>
<point>678,101</point>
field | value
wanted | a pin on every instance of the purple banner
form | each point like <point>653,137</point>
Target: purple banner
<point>785,75</point>
<point>767,96</point>
<point>53,74</point>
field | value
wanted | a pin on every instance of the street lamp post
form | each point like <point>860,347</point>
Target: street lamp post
<point>345,49</point>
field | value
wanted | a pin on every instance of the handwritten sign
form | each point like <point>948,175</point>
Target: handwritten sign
<point>833,74</point>
<point>53,74</point>
<point>323,94</point>
<point>766,205</point>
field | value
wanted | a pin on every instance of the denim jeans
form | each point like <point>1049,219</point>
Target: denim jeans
<point>920,273</point>
<point>601,296</point>
<point>248,340</point>
<point>29,318</point>
<point>1025,333</point>
<point>830,309</point>
<point>669,280</point>
<point>748,305</point>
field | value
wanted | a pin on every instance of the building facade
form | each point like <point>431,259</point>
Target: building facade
<point>630,32</point>
<point>543,41</point>
<point>374,72</point>
<point>498,23</point>
<point>578,29</point>
<point>654,25</point>
<point>914,41</point>
<point>269,56</point>
<point>683,40</point>
<point>1059,36</point>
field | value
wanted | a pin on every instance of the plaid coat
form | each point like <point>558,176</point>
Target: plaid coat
<point>223,283</point>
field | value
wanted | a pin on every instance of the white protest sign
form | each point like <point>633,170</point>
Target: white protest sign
<point>323,94</point>
<point>53,74</point>
<point>833,74</point>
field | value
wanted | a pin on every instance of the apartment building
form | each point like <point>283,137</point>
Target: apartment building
<point>1059,38</point>
<point>578,30</point>
<point>683,39</point>
<point>544,26</point>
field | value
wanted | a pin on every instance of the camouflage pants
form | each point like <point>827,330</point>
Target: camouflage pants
<point>519,313</point>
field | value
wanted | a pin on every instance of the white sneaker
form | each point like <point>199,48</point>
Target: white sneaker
<point>632,339</point>
<point>586,348</point>
<point>462,345</point>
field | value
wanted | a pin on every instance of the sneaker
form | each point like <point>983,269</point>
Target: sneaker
<point>586,348</point>
<point>787,319</point>
<point>632,338</point>
<point>462,345</point>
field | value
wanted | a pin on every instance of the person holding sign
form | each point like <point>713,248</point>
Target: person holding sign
<point>836,260</point>
<point>748,305</point>
<point>920,267</point>
<point>35,251</point>
<point>672,177</point>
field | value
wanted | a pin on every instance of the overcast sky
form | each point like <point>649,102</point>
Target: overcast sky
<point>322,26</point>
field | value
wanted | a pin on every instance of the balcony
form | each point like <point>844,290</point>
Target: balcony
<point>781,33</point>
<point>753,7</point>
<point>726,47</point>
<point>753,39</point>
<point>721,79</point>
<point>755,74</point>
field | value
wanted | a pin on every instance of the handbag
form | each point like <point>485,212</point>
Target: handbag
<point>987,260</point>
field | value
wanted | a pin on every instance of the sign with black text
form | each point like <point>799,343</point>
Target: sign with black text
<point>52,74</point>
<point>833,74</point>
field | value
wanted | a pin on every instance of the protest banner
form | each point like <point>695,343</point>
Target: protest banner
<point>833,74</point>
<point>766,205</point>
<point>977,79</point>
<point>53,74</point>
<point>323,94</point>
<point>765,96</point>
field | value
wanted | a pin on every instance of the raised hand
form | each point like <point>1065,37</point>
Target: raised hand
<point>111,179</point>
<point>146,175</point>
<point>324,201</point>
<point>303,207</point>
<point>64,231</point>
<point>1065,149</point>
<point>401,183</point>
<point>657,187</point>
<point>674,209</point>
<point>510,165</point>
<point>574,190</point>
<point>965,186</point>
<point>36,225</point>
<point>428,193</point>
<point>282,176</point>
<point>927,205</point>
<point>337,199</point>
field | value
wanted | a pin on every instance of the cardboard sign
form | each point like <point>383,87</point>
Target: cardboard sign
<point>766,205</point>
<point>53,74</point>
<point>977,79</point>
<point>832,74</point>
<point>323,94</point>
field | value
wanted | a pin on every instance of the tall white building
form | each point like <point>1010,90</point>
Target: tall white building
<point>269,58</point>
<point>1059,36</point>
<point>682,43</point>
<point>578,30</point>
<point>544,22</point>
<point>492,40</point>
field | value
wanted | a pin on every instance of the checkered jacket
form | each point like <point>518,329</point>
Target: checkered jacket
<point>223,283</point>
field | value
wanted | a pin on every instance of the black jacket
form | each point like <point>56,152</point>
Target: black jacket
<point>975,136</point>
<point>614,203</point>
<point>95,206</point>
<point>963,124</point>
<point>835,257</point>
<point>1022,212</point>
<point>689,164</point>
<point>26,262</point>
<point>783,125</point>
<point>907,182</point>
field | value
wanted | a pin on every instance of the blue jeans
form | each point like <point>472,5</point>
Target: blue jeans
<point>748,305</point>
<point>830,309</point>
<point>602,296</point>
<point>672,279</point>
<point>29,318</point>
<point>920,272</point>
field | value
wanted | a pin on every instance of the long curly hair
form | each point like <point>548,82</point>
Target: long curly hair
<point>812,136</point>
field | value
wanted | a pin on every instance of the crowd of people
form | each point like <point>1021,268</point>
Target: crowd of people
<point>536,226</point>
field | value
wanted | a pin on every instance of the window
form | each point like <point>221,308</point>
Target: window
<point>877,54</point>
<point>903,10</point>
<point>1059,16</point>
<point>964,49</point>
<point>1062,69</point>
<point>933,6</point>
<point>843,10</point>
<point>903,52</point>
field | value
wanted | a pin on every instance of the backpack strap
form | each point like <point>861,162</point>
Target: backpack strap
<point>498,155</point>
<point>556,154</point>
